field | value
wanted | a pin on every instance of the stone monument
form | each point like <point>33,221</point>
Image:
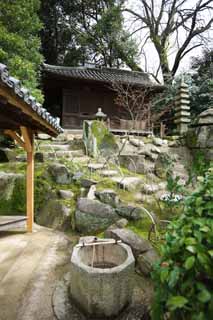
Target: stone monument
<point>182,109</point>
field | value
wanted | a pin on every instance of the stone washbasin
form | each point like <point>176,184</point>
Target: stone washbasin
<point>101,277</point>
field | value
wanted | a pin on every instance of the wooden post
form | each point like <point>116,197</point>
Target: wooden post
<point>30,190</point>
<point>29,142</point>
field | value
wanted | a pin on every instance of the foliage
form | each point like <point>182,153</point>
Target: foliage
<point>79,32</point>
<point>5,141</point>
<point>183,278</point>
<point>199,166</point>
<point>201,84</point>
<point>19,41</point>
<point>175,189</point>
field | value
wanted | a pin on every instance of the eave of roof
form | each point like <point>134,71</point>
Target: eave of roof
<point>23,95</point>
<point>104,75</point>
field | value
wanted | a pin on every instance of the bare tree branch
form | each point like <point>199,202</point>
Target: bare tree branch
<point>172,18</point>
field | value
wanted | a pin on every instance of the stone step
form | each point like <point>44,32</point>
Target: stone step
<point>128,183</point>
<point>108,173</point>
<point>95,166</point>
<point>67,154</point>
<point>82,159</point>
<point>55,147</point>
<point>70,153</point>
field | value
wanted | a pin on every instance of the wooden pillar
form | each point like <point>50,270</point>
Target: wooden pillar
<point>30,190</point>
<point>29,142</point>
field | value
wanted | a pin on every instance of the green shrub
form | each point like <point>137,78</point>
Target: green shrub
<point>184,277</point>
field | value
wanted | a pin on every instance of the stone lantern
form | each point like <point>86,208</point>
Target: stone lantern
<point>182,109</point>
<point>100,115</point>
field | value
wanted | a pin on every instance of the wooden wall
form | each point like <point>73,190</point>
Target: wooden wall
<point>74,101</point>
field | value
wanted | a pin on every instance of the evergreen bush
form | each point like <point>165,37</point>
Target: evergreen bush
<point>184,276</point>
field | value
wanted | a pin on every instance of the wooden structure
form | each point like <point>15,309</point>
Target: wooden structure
<point>182,109</point>
<point>74,94</point>
<point>21,117</point>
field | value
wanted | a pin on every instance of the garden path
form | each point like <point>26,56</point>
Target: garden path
<point>30,266</point>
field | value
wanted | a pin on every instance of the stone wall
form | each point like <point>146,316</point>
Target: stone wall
<point>200,137</point>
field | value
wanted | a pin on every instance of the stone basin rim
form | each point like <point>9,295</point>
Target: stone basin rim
<point>75,259</point>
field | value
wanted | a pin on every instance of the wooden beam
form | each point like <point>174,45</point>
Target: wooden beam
<point>17,102</point>
<point>27,134</point>
<point>16,137</point>
<point>30,181</point>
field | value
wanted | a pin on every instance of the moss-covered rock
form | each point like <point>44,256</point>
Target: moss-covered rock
<point>55,214</point>
<point>163,165</point>
<point>4,155</point>
<point>59,173</point>
<point>98,139</point>
<point>12,193</point>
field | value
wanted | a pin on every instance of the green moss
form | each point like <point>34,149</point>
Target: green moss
<point>15,167</point>
<point>17,203</point>
<point>99,130</point>
<point>126,196</point>
<point>106,184</point>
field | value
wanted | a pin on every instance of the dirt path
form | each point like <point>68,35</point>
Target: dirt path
<point>30,266</point>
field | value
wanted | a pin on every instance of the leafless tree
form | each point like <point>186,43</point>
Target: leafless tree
<point>133,102</point>
<point>138,104</point>
<point>173,24</point>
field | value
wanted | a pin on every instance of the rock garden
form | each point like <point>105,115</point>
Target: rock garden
<point>126,188</point>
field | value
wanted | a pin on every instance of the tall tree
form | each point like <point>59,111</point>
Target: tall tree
<point>86,31</point>
<point>19,41</point>
<point>170,24</point>
<point>58,40</point>
<point>201,84</point>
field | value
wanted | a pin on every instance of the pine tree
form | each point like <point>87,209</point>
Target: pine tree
<point>81,31</point>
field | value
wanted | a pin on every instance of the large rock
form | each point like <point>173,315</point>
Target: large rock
<point>150,188</point>
<point>146,261</point>
<point>60,173</point>
<point>108,146</point>
<point>136,142</point>
<point>128,183</point>
<point>200,137</point>
<point>133,162</point>
<point>98,140</point>
<point>129,212</point>
<point>138,244</point>
<point>149,151</point>
<point>163,164</point>
<point>159,142</point>
<point>142,249</point>
<point>55,214</point>
<point>206,117</point>
<point>87,183</point>
<point>40,156</point>
<point>138,163</point>
<point>7,184</point>
<point>93,216</point>
<point>127,147</point>
<point>65,194</point>
<point>108,173</point>
<point>108,196</point>
<point>12,193</point>
<point>7,155</point>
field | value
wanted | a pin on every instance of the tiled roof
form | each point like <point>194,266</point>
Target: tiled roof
<point>105,75</point>
<point>25,95</point>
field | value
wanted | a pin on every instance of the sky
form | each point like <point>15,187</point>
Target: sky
<point>152,60</point>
